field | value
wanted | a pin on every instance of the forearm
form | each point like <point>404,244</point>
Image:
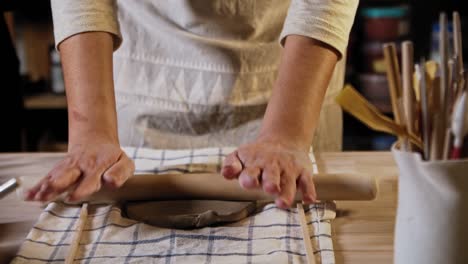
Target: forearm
<point>87,66</point>
<point>94,156</point>
<point>294,107</point>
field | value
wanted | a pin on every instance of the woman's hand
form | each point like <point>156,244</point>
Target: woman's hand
<point>278,168</point>
<point>94,154</point>
<point>278,160</point>
<point>84,170</point>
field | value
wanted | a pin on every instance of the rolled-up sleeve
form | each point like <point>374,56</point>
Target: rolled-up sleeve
<point>77,16</point>
<point>329,21</point>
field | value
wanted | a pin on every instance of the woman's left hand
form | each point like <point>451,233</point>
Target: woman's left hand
<point>276,167</point>
<point>278,160</point>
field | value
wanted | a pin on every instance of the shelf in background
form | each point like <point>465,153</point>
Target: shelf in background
<point>45,101</point>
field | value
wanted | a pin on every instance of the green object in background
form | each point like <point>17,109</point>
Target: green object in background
<point>388,12</point>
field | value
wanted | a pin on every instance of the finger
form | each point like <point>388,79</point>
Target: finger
<point>41,192</point>
<point>64,179</point>
<point>31,193</point>
<point>50,196</point>
<point>306,184</point>
<point>232,166</point>
<point>56,173</point>
<point>116,175</point>
<point>58,180</point>
<point>90,183</point>
<point>271,180</point>
<point>248,179</point>
<point>59,183</point>
<point>288,191</point>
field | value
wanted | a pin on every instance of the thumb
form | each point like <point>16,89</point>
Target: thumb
<point>232,166</point>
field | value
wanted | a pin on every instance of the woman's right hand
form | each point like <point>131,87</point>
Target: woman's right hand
<point>94,155</point>
<point>84,170</point>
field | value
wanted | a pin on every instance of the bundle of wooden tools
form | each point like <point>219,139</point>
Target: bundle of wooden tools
<point>428,99</point>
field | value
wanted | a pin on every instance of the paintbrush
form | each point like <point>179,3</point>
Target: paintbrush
<point>459,125</point>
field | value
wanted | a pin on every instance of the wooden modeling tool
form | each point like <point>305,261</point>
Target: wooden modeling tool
<point>447,140</point>
<point>461,85</point>
<point>355,104</point>
<point>452,87</point>
<point>72,251</point>
<point>394,82</point>
<point>306,234</point>
<point>403,139</point>
<point>454,79</point>
<point>408,92</point>
<point>457,41</point>
<point>443,51</point>
<point>432,83</point>
<point>424,110</point>
<point>437,129</point>
<point>444,87</point>
<point>422,99</point>
<point>435,150</point>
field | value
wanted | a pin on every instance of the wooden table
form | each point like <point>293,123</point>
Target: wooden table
<point>363,231</point>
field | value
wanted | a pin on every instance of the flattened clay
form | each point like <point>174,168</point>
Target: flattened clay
<point>188,214</point>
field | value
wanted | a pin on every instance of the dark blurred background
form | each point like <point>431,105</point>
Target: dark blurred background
<point>32,100</point>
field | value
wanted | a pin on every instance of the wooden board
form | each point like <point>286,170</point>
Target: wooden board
<point>363,231</point>
<point>45,101</point>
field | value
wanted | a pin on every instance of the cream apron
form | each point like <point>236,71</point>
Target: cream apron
<point>201,76</point>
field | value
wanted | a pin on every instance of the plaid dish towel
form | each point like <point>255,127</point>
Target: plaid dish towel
<point>271,235</point>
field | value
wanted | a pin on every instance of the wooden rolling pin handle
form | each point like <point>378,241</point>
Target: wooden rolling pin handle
<point>212,186</point>
<point>215,187</point>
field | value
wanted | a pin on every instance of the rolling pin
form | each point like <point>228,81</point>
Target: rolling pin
<point>212,186</point>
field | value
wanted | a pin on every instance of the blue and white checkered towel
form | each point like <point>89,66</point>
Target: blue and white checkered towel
<point>270,236</point>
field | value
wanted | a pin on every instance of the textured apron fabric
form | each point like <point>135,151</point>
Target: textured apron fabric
<point>169,92</point>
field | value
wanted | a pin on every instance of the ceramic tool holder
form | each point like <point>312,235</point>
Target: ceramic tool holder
<point>432,215</point>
